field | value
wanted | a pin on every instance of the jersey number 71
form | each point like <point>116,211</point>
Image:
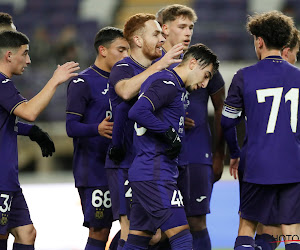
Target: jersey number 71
<point>292,95</point>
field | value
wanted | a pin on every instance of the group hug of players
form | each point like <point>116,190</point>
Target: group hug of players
<point>142,144</point>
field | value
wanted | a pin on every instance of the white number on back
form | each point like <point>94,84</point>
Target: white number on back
<point>292,95</point>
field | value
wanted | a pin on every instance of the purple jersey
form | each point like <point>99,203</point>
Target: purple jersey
<point>123,127</point>
<point>164,91</point>
<point>182,158</point>
<point>199,139</point>
<point>87,106</point>
<point>10,98</point>
<point>268,93</point>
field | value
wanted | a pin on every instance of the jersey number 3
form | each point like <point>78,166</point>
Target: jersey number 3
<point>292,95</point>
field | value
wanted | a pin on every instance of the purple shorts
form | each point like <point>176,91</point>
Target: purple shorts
<point>96,206</point>
<point>195,182</point>
<point>120,191</point>
<point>271,204</point>
<point>156,204</point>
<point>13,211</point>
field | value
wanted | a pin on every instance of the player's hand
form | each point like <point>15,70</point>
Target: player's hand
<point>188,122</point>
<point>233,167</point>
<point>43,140</point>
<point>105,128</point>
<point>65,72</point>
<point>174,143</point>
<point>116,154</point>
<point>172,56</point>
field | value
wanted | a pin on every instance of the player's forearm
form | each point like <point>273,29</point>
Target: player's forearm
<point>142,113</point>
<point>127,89</point>
<point>24,128</point>
<point>78,129</point>
<point>219,136</point>
<point>228,125</point>
<point>31,109</point>
<point>120,114</point>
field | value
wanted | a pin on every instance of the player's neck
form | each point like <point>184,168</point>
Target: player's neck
<point>100,63</point>
<point>5,71</point>
<point>167,46</point>
<point>181,72</point>
<point>138,56</point>
<point>272,52</point>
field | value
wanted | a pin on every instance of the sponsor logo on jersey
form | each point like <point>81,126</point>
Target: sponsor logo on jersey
<point>201,198</point>
<point>6,81</point>
<point>122,64</point>
<point>169,82</point>
<point>78,80</point>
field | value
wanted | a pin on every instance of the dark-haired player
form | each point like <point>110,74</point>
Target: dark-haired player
<point>268,95</point>
<point>159,116</point>
<point>88,123</point>
<point>14,58</point>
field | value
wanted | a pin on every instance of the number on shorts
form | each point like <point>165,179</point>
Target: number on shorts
<point>177,200</point>
<point>99,199</point>
<point>6,206</point>
<point>128,193</point>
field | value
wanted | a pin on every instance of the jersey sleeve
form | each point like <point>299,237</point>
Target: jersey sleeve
<point>120,71</point>
<point>10,97</point>
<point>234,103</point>
<point>78,96</point>
<point>215,84</point>
<point>161,93</point>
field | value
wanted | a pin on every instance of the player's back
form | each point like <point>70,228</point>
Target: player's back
<point>271,103</point>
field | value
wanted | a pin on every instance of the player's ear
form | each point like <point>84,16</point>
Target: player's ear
<point>192,63</point>
<point>138,41</point>
<point>8,55</point>
<point>261,41</point>
<point>165,29</point>
<point>102,51</point>
<point>285,53</point>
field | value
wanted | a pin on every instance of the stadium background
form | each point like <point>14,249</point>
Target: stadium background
<point>63,30</point>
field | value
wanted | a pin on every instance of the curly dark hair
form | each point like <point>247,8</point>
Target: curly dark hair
<point>294,41</point>
<point>273,27</point>
<point>135,24</point>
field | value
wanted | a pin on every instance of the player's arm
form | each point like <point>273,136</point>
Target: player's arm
<point>77,101</point>
<point>231,116</point>
<point>36,134</point>
<point>216,91</point>
<point>142,112</point>
<point>219,153</point>
<point>29,110</point>
<point>129,88</point>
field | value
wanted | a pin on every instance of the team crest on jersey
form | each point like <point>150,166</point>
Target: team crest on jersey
<point>4,219</point>
<point>99,214</point>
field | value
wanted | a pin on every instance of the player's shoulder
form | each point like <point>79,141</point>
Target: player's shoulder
<point>124,63</point>
<point>5,81</point>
